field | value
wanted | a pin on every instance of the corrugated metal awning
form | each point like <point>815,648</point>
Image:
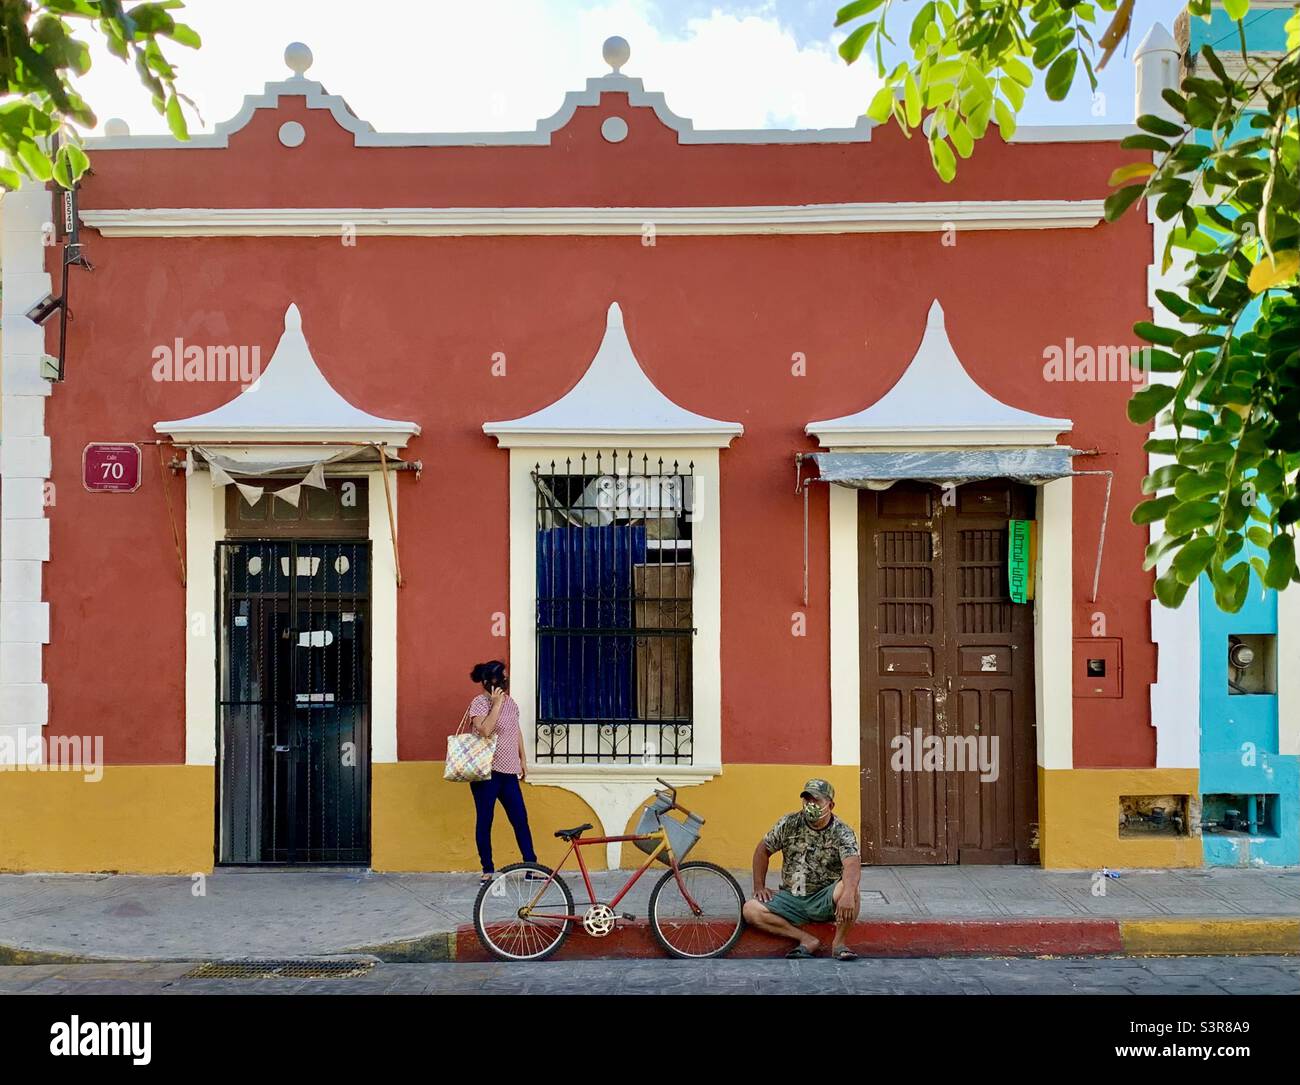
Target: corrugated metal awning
<point>880,470</point>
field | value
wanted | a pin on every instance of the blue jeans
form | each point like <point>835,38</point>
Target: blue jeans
<point>503,786</point>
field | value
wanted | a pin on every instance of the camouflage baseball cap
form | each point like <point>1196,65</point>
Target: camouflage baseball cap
<point>818,789</point>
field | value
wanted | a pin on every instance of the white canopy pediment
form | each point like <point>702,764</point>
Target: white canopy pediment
<point>291,401</point>
<point>614,398</point>
<point>936,403</point>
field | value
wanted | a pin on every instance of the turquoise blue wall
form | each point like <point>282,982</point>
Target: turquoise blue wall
<point>1264,30</point>
<point>1236,729</point>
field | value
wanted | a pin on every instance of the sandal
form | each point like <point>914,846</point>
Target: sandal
<point>800,953</point>
<point>845,954</point>
<point>486,879</point>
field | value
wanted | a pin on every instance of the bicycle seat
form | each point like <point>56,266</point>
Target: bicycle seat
<point>569,834</point>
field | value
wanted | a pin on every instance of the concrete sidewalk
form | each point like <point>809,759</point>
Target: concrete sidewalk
<point>906,911</point>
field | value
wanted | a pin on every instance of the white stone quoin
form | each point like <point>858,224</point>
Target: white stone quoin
<point>25,460</point>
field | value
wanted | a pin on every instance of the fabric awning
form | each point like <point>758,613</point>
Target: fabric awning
<point>880,470</point>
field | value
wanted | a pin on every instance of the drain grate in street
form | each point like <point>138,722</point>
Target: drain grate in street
<point>278,969</point>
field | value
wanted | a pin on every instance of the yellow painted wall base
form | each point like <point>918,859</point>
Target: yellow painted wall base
<point>138,819</point>
<point>158,819</point>
<point>422,822</point>
<point>1079,819</point>
<point>742,803</point>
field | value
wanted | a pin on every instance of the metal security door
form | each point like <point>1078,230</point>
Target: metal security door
<point>294,702</point>
<point>947,678</point>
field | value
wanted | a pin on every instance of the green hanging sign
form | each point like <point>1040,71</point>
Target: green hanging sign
<point>1022,554</point>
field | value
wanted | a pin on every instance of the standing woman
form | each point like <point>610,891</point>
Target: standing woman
<point>494,712</point>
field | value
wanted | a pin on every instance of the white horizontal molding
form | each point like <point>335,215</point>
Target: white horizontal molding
<point>947,437</point>
<point>562,774</point>
<point>1074,133</point>
<point>829,218</point>
<point>621,438</point>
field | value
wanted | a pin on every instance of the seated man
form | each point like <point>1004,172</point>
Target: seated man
<point>819,875</point>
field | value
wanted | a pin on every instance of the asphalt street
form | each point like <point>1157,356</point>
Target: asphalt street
<point>1036,976</point>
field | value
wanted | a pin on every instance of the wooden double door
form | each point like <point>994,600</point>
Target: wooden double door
<point>947,671</point>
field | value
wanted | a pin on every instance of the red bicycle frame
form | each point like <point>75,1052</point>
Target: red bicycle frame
<point>577,843</point>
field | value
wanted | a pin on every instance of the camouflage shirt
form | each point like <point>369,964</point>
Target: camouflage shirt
<point>811,859</point>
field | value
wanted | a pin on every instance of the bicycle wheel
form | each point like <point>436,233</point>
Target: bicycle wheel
<point>511,937</point>
<point>679,930</point>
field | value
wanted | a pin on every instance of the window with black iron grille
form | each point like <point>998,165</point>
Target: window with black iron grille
<point>614,613</point>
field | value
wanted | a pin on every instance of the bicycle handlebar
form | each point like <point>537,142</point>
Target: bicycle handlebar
<point>671,796</point>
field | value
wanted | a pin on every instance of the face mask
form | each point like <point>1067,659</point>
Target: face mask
<point>812,812</point>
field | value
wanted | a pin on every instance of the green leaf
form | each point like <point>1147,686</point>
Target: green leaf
<point>35,160</point>
<point>1153,333</point>
<point>1061,74</point>
<point>942,157</point>
<point>175,118</point>
<point>1149,122</point>
<point>1192,559</point>
<point>1191,515</point>
<point>1148,512</point>
<point>184,35</point>
<point>1193,487</point>
<point>1006,120</point>
<point>1281,562</point>
<point>1144,143</point>
<point>961,138</point>
<point>851,47</point>
<point>1147,402</point>
<point>1230,587</point>
<point>882,104</point>
<point>912,100</point>
<point>1170,590</point>
<point>1236,9</point>
<point>1018,71</point>
<point>856,10</point>
<point>1120,201</point>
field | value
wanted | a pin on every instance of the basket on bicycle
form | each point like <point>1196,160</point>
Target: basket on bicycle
<point>682,835</point>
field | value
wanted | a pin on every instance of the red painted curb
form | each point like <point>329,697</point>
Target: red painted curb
<point>873,938</point>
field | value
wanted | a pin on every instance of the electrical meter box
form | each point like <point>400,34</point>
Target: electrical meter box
<point>1098,667</point>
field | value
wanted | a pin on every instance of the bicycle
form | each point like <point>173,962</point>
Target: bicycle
<point>695,908</point>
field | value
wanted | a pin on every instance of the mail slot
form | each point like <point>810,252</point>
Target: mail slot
<point>1098,667</point>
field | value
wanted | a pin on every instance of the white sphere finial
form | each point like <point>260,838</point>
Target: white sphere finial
<point>616,51</point>
<point>116,128</point>
<point>298,57</point>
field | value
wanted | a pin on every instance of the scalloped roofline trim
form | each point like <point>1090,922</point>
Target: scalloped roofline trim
<point>365,135</point>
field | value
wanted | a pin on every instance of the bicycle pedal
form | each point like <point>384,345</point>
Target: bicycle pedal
<point>626,915</point>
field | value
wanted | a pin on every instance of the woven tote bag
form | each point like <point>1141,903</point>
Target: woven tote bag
<point>469,755</point>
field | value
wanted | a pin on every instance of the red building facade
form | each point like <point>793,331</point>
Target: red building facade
<point>443,326</point>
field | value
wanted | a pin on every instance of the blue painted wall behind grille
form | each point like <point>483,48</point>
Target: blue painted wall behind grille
<point>584,581</point>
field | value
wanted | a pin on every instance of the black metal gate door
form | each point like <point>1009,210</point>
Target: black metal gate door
<point>294,702</point>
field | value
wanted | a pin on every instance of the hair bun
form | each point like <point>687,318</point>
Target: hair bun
<point>483,672</point>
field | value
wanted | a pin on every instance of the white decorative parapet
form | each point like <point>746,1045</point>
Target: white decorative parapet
<point>1156,64</point>
<point>24,468</point>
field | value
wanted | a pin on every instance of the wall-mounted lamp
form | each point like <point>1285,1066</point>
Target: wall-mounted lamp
<point>44,309</point>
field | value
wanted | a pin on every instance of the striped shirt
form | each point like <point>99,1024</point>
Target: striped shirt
<point>506,758</point>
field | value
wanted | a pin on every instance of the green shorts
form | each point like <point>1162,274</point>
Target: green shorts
<point>818,907</point>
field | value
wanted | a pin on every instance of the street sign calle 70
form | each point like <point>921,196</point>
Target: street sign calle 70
<point>111,468</point>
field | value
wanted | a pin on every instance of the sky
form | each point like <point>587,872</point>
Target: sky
<point>463,65</point>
